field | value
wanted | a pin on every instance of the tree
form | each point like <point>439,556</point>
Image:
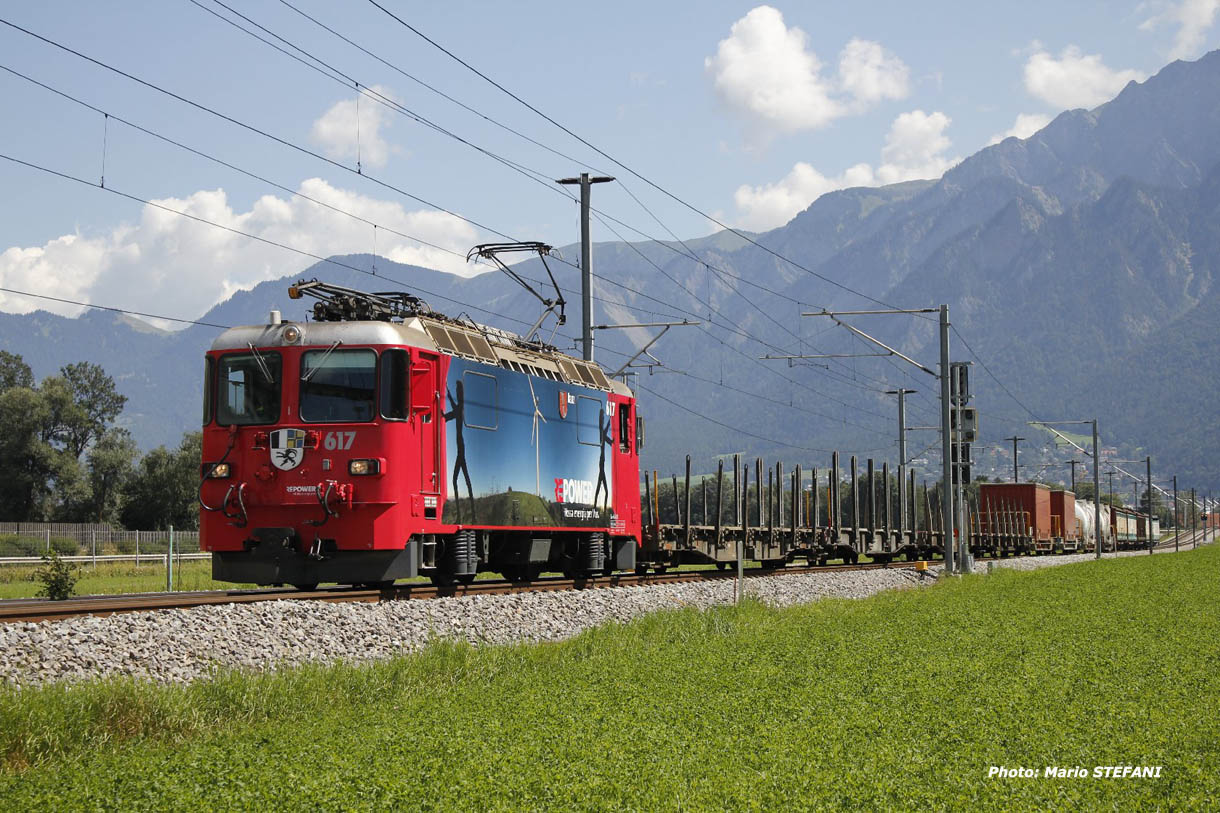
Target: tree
<point>14,372</point>
<point>111,463</point>
<point>96,404</point>
<point>165,488</point>
<point>45,431</point>
<point>27,459</point>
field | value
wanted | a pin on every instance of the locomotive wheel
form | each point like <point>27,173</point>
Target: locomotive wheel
<point>722,565</point>
<point>307,588</point>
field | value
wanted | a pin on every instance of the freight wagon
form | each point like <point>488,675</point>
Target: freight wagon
<point>1065,528</point>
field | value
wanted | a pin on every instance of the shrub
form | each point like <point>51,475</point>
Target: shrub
<point>125,544</point>
<point>57,576</point>
<point>13,545</point>
<point>64,546</point>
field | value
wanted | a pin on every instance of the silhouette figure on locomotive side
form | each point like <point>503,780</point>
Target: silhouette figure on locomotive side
<point>457,414</point>
<point>606,440</point>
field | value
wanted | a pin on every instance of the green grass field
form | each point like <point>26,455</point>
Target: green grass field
<point>900,701</point>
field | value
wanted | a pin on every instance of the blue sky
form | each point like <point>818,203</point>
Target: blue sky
<point>746,111</point>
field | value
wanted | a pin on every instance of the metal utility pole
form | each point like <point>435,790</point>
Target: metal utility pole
<point>1175,514</point>
<point>1097,492</point>
<point>946,442</point>
<point>1194,520</point>
<point>902,458</point>
<point>1074,463</point>
<point>586,259</point>
<point>945,405</point>
<point>1014,440</point>
<point>1148,521</point>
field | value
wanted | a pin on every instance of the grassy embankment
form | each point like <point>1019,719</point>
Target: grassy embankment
<point>18,581</point>
<point>900,701</point>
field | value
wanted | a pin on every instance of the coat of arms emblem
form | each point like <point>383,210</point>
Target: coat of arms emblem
<point>563,404</point>
<point>287,448</point>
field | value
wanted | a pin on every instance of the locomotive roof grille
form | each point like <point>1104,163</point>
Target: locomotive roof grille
<point>391,318</point>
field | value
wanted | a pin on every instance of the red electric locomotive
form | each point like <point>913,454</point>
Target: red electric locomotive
<point>382,440</point>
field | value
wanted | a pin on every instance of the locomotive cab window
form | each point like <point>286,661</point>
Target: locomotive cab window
<point>338,386</point>
<point>394,400</point>
<point>248,388</point>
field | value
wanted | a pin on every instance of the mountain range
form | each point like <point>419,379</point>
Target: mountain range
<point>1079,264</point>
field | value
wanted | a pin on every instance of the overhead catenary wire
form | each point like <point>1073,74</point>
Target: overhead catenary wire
<point>344,78</point>
<point>272,137</point>
<point>619,163</point>
<point>277,244</point>
<point>262,179</point>
<point>124,311</point>
<point>256,130</point>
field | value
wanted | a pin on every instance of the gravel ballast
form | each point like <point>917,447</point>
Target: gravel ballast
<point>177,646</point>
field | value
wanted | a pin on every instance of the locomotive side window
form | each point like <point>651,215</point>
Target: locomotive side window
<point>248,390</point>
<point>337,386</point>
<point>209,374</point>
<point>624,428</point>
<point>394,384</point>
<point>479,396</point>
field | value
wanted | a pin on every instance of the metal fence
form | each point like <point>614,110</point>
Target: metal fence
<point>25,539</point>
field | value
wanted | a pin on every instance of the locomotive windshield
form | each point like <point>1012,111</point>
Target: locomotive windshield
<point>338,386</point>
<point>249,388</point>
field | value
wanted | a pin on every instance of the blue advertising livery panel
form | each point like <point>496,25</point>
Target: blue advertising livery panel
<point>525,451</point>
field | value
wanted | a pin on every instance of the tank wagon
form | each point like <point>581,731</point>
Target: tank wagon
<point>383,440</point>
<point>1087,519</point>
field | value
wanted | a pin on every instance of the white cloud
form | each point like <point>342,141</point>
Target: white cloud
<point>764,70</point>
<point>1074,79</point>
<point>170,265</point>
<point>336,131</point>
<point>1026,125</point>
<point>1193,19</point>
<point>914,148</point>
<point>771,205</point>
<point>870,73</point>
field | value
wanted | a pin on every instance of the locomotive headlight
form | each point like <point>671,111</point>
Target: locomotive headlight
<point>291,334</point>
<point>218,471</point>
<point>364,466</point>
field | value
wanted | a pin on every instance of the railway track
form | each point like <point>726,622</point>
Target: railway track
<point>16,610</point>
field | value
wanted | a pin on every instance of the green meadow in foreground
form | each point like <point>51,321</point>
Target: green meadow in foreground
<point>903,700</point>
